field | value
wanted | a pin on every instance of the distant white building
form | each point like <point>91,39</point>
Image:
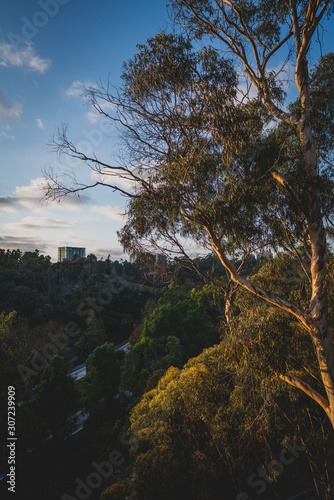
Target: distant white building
<point>69,252</point>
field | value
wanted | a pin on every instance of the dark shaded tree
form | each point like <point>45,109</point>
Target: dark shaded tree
<point>101,383</point>
<point>56,398</point>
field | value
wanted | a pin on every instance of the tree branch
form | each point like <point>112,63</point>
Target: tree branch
<point>293,195</point>
<point>235,276</point>
<point>299,384</point>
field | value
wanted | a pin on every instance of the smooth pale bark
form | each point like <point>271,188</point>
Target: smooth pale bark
<point>318,309</point>
<point>300,384</point>
<point>228,309</point>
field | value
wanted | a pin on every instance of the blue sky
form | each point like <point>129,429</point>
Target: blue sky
<point>48,48</point>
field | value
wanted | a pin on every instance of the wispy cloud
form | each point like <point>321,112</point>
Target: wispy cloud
<point>113,213</point>
<point>6,136</point>
<point>9,110</point>
<point>24,57</point>
<point>39,123</point>
<point>118,178</point>
<point>92,117</point>
<point>115,253</point>
<point>31,197</point>
<point>75,90</point>
<point>7,204</point>
<point>24,243</point>
<point>283,73</point>
<point>42,223</point>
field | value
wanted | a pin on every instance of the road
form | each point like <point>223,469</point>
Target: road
<point>79,371</point>
<point>80,418</point>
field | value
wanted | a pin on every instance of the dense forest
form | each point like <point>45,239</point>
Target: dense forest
<point>192,406</point>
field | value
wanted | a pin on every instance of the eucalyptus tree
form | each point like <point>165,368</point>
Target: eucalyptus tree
<point>212,164</point>
<point>254,33</point>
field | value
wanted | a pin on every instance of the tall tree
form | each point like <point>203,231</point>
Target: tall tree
<point>254,32</point>
<point>209,162</point>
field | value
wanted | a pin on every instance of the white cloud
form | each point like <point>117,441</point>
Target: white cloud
<point>39,123</point>
<point>246,91</point>
<point>75,90</point>
<point>24,243</point>
<point>9,110</point>
<point>92,117</point>
<point>43,223</point>
<point>69,238</point>
<point>283,73</point>
<point>6,136</point>
<point>7,204</point>
<point>114,252</point>
<point>108,106</point>
<point>35,223</point>
<point>119,178</point>
<point>57,223</point>
<point>31,197</point>
<point>113,213</point>
<point>24,57</point>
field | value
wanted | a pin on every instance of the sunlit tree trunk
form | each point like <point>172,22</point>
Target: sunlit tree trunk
<point>318,310</point>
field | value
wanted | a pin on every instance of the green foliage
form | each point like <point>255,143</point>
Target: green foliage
<point>211,158</point>
<point>102,380</point>
<point>330,286</point>
<point>226,413</point>
<point>267,19</point>
<point>177,329</point>
<point>203,176</point>
<point>182,105</point>
<point>94,335</point>
<point>205,155</point>
<point>284,275</point>
<point>323,102</point>
<point>206,428</point>
<point>85,345</point>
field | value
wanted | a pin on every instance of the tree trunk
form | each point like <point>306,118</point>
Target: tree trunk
<point>228,310</point>
<point>318,310</point>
